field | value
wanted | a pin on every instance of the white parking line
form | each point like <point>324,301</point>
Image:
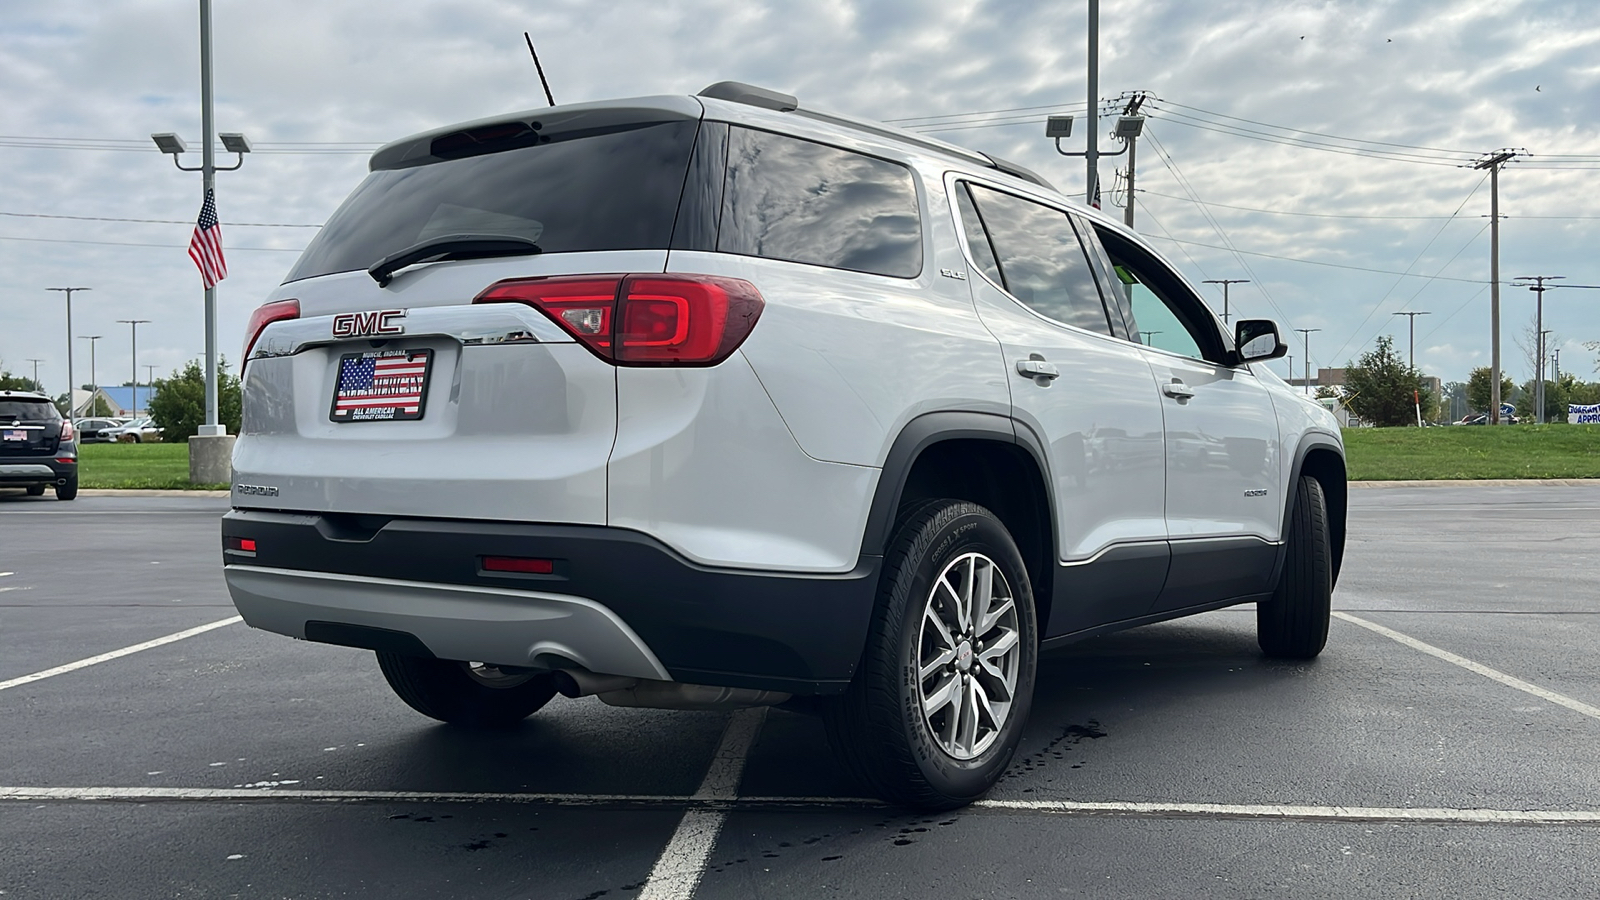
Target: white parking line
<point>697,836</point>
<point>1478,668</point>
<point>117,654</point>
<point>677,871</point>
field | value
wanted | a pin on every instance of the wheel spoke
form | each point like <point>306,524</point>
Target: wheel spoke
<point>995,615</point>
<point>942,696</point>
<point>964,610</point>
<point>983,707</point>
<point>968,740</point>
<point>941,628</point>
<point>937,663</point>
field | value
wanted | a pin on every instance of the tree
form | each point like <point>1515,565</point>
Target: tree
<point>10,382</point>
<point>1455,400</point>
<point>1382,389</point>
<point>1478,389</point>
<point>179,403</point>
<point>1555,401</point>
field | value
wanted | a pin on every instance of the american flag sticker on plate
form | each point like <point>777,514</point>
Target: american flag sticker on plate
<point>381,386</point>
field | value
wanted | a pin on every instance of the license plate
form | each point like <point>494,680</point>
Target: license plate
<point>14,436</point>
<point>381,386</point>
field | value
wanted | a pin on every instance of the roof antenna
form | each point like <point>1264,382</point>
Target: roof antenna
<point>535,54</point>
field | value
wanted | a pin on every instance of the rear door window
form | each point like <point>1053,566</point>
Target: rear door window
<point>573,189</point>
<point>1041,259</point>
<point>801,201</point>
<point>28,410</point>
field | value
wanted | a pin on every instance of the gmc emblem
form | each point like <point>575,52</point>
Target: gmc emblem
<point>376,321</point>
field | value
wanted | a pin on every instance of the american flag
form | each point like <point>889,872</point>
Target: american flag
<point>392,381</point>
<point>205,248</point>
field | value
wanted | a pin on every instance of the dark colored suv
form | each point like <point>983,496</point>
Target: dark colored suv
<point>37,446</point>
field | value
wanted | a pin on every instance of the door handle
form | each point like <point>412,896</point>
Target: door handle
<point>1036,367</point>
<point>1177,389</point>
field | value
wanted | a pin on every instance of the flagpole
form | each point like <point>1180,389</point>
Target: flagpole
<point>208,170</point>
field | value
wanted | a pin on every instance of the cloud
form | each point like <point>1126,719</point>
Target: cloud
<point>1454,74</point>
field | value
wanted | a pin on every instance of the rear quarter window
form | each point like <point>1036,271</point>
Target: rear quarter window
<point>800,201</point>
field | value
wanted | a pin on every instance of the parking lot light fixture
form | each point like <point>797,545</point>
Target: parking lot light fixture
<point>134,328</point>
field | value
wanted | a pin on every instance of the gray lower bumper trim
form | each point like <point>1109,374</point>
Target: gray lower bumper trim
<point>497,626</point>
<point>28,470</point>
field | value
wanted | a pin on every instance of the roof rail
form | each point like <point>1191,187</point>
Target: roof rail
<point>739,92</point>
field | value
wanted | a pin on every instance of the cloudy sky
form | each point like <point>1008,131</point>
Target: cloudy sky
<point>1312,147</point>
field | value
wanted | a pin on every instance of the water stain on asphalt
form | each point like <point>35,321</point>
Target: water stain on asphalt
<point>1070,736</point>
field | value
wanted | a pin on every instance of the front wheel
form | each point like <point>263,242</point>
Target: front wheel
<point>943,690</point>
<point>474,695</point>
<point>1294,623</point>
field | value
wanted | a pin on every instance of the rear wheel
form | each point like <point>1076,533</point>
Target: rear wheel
<point>35,490</point>
<point>67,491</point>
<point>1294,623</point>
<point>474,695</point>
<point>942,693</point>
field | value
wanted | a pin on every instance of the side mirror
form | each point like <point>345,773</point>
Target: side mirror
<point>1256,339</point>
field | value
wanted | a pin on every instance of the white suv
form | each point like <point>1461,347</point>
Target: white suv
<point>717,401</point>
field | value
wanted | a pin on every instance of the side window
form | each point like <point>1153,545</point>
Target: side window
<point>797,200</point>
<point>1168,315</point>
<point>1041,260</point>
<point>977,238</point>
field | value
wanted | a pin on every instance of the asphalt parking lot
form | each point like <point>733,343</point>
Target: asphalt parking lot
<point>1447,744</point>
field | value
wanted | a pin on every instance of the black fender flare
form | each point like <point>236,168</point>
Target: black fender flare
<point>932,428</point>
<point>1310,441</point>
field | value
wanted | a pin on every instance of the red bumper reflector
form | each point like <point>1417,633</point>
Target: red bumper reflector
<point>64,460</point>
<point>247,544</point>
<point>519,564</point>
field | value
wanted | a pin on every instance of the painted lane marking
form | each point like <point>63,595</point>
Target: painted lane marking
<point>678,870</point>
<point>1478,668</point>
<point>1315,813</point>
<point>4,574</point>
<point>1265,811</point>
<point>117,654</point>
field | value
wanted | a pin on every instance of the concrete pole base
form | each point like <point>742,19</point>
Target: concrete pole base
<point>211,458</point>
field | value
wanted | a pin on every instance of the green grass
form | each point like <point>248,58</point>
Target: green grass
<point>150,466</point>
<point>1471,452</point>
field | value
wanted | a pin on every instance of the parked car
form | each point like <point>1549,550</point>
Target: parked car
<point>136,431</point>
<point>38,449</point>
<point>718,401</point>
<point>91,431</point>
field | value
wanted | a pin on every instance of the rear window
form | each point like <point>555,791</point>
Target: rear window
<point>13,408</point>
<point>613,189</point>
<point>797,200</point>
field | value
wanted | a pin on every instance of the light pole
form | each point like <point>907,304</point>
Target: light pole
<point>70,387</point>
<point>1412,317</point>
<point>40,387</point>
<point>133,327</point>
<point>1307,333</point>
<point>94,379</point>
<point>233,143</point>
<point>1225,282</point>
<point>1149,337</point>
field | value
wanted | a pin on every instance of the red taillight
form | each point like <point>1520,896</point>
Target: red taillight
<point>666,320</point>
<point>265,315</point>
<point>67,431</point>
<point>519,564</point>
<point>65,461</point>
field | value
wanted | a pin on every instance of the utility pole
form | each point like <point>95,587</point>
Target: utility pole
<point>39,387</point>
<point>94,378</point>
<point>134,328</point>
<point>1307,332</point>
<point>70,386</point>
<point>1149,337</point>
<point>1494,162</point>
<point>1288,362</point>
<point>1092,156</point>
<point>1222,281</point>
<point>1412,317</point>
<point>1538,288</point>
<point>1129,126</point>
<point>1557,376</point>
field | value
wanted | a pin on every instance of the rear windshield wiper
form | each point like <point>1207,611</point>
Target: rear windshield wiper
<point>451,246</point>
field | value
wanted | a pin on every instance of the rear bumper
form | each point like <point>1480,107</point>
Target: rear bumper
<point>23,470</point>
<point>618,601</point>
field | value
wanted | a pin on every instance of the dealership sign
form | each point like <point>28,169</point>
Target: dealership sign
<point>1585,413</point>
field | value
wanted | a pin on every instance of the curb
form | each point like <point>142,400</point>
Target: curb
<point>130,492</point>
<point>1481,482</point>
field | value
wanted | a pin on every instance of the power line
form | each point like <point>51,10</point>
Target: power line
<point>1316,133</point>
<point>153,221</point>
<point>1220,128</point>
<point>134,244</point>
<point>1317,262</point>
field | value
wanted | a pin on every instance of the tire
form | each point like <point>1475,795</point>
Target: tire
<point>470,695</point>
<point>36,490</point>
<point>69,490</point>
<point>1294,623</point>
<point>881,728</point>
